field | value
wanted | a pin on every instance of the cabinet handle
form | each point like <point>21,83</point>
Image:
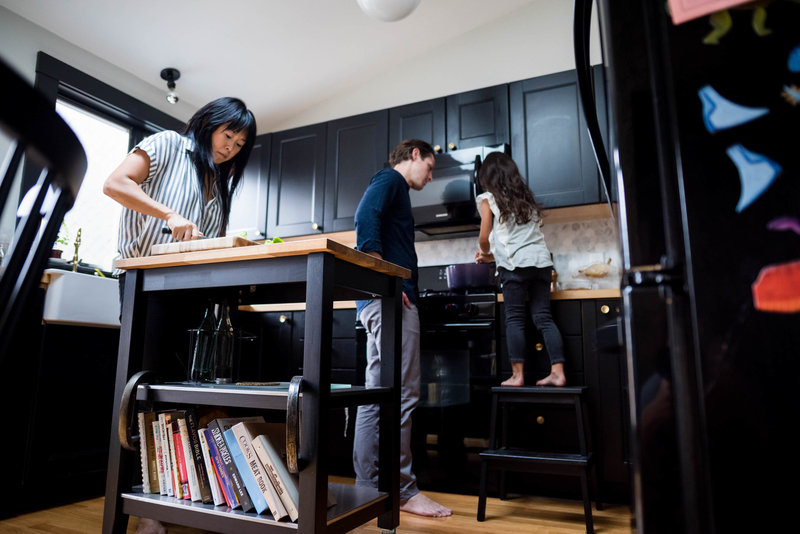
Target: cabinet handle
<point>293,460</point>
<point>539,347</point>
<point>315,226</point>
<point>451,146</point>
<point>540,420</point>
<point>282,318</point>
<point>127,411</point>
<point>604,309</point>
<point>437,149</point>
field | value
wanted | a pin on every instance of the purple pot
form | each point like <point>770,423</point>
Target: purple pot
<point>470,275</point>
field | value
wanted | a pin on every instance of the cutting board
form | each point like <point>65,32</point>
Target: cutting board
<point>201,244</point>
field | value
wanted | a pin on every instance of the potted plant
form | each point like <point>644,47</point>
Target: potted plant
<point>62,239</point>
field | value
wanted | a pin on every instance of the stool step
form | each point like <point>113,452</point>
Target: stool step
<point>526,456</point>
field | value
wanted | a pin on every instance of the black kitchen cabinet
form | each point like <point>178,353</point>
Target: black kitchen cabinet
<point>420,120</point>
<point>249,203</point>
<point>358,147</point>
<point>297,181</point>
<point>465,120</point>
<point>549,139</point>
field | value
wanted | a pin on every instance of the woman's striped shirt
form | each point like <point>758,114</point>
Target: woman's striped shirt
<point>172,181</point>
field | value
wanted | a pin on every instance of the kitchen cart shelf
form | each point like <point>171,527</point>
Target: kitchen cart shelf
<point>252,396</point>
<point>317,271</point>
<point>354,506</point>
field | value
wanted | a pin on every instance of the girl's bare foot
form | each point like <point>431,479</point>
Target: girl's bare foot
<point>420,504</point>
<point>150,526</point>
<point>553,379</point>
<point>514,381</point>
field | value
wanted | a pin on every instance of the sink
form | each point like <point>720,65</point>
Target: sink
<point>80,299</point>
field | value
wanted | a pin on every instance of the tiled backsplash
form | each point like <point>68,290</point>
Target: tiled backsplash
<point>575,246</point>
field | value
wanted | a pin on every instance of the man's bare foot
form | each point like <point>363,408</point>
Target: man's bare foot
<point>150,526</point>
<point>514,381</point>
<point>553,379</point>
<point>419,504</point>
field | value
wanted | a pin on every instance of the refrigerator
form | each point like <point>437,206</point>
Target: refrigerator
<point>702,161</point>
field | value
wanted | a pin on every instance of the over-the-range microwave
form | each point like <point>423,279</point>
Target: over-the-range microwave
<point>447,204</point>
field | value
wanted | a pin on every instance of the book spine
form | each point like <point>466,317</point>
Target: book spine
<point>180,461</point>
<point>262,480</point>
<point>167,455</point>
<point>222,473</point>
<point>188,458</point>
<point>250,484</point>
<point>236,480</point>
<point>152,456</point>
<point>162,487</point>
<point>143,452</point>
<point>217,496</point>
<point>203,479</point>
<point>284,484</point>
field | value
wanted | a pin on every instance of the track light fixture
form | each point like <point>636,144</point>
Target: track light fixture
<point>170,75</point>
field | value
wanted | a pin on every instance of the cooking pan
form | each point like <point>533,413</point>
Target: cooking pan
<point>470,275</point>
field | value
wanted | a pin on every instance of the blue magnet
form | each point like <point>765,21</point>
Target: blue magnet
<point>720,113</point>
<point>794,59</point>
<point>756,174</point>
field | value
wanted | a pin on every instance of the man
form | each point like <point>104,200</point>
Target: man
<point>385,229</point>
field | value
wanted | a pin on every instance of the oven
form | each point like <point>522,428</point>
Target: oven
<point>459,365</point>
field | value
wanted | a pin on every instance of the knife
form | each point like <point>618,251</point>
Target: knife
<point>166,230</point>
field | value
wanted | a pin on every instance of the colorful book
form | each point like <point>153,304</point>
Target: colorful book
<point>169,479</point>
<point>201,473</point>
<point>147,452</point>
<point>219,466</point>
<point>217,427</point>
<point>159,456</point>
<point>217,496</point>
<point>258,471</point>
<point>250,484</point>
<point>274,466</point>
<point>180,461</point>
<point>188,458</point>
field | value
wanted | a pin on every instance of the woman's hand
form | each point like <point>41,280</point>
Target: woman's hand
<point>406,302</point>
<point>483,257</point>
<point>182,229</point>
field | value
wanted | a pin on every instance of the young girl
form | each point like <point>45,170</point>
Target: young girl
<point>511,236</point>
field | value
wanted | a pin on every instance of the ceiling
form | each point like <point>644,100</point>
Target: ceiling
<point>279,56</point>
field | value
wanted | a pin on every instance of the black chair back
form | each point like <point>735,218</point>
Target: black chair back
<point>36,132</point>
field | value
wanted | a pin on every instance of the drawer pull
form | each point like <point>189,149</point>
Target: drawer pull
<point>293,460</point>
<point>539,347</point>
<point>451,146</point>
<point>604,309</point>
<point>540,420</point>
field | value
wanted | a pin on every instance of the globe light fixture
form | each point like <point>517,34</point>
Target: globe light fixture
<point>388,10</point>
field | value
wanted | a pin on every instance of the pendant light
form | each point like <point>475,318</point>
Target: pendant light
<point>170,75</point>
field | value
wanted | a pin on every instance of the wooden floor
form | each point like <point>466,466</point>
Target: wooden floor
<point>535,515</point>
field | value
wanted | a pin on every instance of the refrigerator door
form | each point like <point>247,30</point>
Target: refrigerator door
<point>705,149</point>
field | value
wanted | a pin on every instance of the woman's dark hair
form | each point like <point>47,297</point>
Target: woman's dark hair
<point>233,113</point>
<point>403,151</point>
<point>500,176</point>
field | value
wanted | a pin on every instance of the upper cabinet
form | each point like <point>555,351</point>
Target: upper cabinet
<point>549,139</point>
<point>358,147</point>
<point>466,120</point>
<point>249,202</point>
<point>297,182</point>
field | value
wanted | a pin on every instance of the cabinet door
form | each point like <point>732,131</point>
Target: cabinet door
<point>549,141</point>
<point>357,149</point>
<point>249,202</point>
<point>478,118</point>
<point>421,120</point>
<point>297,182</point>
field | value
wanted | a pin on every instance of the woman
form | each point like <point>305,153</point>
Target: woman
<point>184,181</point>
<point>510,235</point>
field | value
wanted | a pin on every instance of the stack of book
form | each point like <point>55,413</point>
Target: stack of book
<point>238,462</point>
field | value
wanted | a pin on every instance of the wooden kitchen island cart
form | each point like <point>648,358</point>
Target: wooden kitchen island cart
<point>317,272</point>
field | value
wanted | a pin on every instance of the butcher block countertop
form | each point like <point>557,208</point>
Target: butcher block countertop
<point>272,250</point>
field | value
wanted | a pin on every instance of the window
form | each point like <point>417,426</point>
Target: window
<point>94,214</point>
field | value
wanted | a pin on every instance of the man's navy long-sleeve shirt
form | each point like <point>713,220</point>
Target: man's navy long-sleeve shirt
<point>384,224</point>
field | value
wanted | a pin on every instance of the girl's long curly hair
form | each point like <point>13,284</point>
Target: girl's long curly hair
<point>500,176</point>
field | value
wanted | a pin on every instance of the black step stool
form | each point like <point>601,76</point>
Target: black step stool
<point>502,458</point>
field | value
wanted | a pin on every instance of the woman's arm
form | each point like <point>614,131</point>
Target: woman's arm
<point>484,252</point>
<point>123,186</point>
